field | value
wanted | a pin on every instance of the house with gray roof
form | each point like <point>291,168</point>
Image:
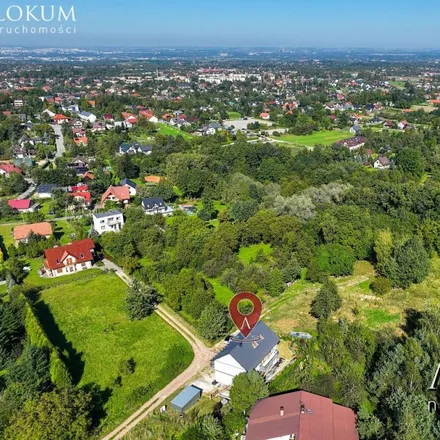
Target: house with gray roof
<point>239,357</point>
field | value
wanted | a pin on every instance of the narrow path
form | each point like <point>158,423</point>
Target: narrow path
<point>202,359</point>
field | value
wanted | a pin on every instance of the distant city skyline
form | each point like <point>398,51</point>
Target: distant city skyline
<point>387,24</point>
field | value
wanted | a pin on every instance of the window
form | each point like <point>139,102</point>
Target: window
<point>60,270</point>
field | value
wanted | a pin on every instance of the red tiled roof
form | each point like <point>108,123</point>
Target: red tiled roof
<point>20,204</point>
<point>119,192</point>
<point>83,195</point>
<point>307,415</point>
<point>9,168</point>
<point>79,188</point>
<point>59,117</point>
<point>81,250</point>
<point>23,231</point>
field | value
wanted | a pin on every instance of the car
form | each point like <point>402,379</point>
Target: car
<point>245,118</point>
<point>301,335</point>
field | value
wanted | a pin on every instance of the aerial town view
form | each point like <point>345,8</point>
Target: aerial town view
<point>219,221</point>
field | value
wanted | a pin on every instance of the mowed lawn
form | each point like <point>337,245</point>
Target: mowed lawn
<point>87,321</point>
<point>319,137</point>
<point>172,131</point>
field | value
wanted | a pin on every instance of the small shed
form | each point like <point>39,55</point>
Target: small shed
<point>186,399</point>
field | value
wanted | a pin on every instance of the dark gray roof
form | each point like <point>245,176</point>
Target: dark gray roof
<point>128,182</point>
<point>250,355</point>
<point>153,202</point>
<point>46,188</point>
<point>107,214</point>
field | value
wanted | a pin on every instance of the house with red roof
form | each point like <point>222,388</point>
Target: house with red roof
<point>21,205</point>
<point>6,169</point>
<point>119,194</point>
<point>265,116</point>
<point>300,415</point>
<point>81,194</point>
<point>65,260</point>
<point>60,119</point>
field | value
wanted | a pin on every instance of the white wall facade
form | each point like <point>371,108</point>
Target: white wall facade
<point>226,368</point>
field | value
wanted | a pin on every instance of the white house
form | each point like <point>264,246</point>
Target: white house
<point>241,357</point>
<point>130,185</point>
<point>382,163</point>
<point>87,116</point>
<point>111,221</point>
<point>156,205</point>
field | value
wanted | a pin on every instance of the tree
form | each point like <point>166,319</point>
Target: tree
<point>327,300</point>
<point>60,414</point>
<point>275,283</point>
<point>11,331</point>
<point>410,160</point>
<point>381,286</point>
<point>32,372</point>
<point>213,322</point>
<point>141,300</point>
<point>412,262</point>
<point>331,259</point>
<point>383,248</point>
<point>246,389</point>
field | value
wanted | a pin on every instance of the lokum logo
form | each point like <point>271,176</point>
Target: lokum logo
<point>37,19</point>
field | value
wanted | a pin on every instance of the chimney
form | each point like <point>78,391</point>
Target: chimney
<point>303,408</point>
<point>281,411</point>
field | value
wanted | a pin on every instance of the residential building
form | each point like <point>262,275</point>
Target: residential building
<point>44,191</point>
<point>87,116</point>
<point>60,119</point>
<point>64,260</point>
<point>22,232</point>
<point>156,205</point>
<point>21,205</point>
<point>241,357</point>
<point>111,221</point>
<point>6,169</point>
<point>119,194</point>
<point>382,163</point>
<point>130,185</point>
<point>300,415</point>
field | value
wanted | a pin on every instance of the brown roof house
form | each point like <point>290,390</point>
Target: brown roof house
<point>300,416</point>
<point>119,194</point>
<point>22,232</point>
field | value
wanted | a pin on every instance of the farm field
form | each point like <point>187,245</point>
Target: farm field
<point>87,321</point>
<point>319,137</point>
<point>290,312</point>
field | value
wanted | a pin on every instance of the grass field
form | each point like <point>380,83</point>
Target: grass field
<point>249,253</point>
<point>291,311</point>
<point>172,131</point>
<point>234,116</point>
<point>6,233</point>
<point>87,321</point>
<point>319,137</point>
<point>222,293</point>
<point>33,279</point>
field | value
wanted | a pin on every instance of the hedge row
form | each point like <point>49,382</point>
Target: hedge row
<point>59,373</point>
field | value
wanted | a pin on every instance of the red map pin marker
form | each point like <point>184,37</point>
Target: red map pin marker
<point>245,323</point>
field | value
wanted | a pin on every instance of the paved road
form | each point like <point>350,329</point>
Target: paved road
<point>61,149</point>
<point>202,358</point>
<point>29,191</point>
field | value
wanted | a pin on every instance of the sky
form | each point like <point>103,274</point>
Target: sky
<point>241,23</point>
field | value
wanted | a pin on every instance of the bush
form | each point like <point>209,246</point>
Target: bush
<point>381,286</point>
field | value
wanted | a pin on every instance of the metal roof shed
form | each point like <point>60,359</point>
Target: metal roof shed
<point>186,399</point>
